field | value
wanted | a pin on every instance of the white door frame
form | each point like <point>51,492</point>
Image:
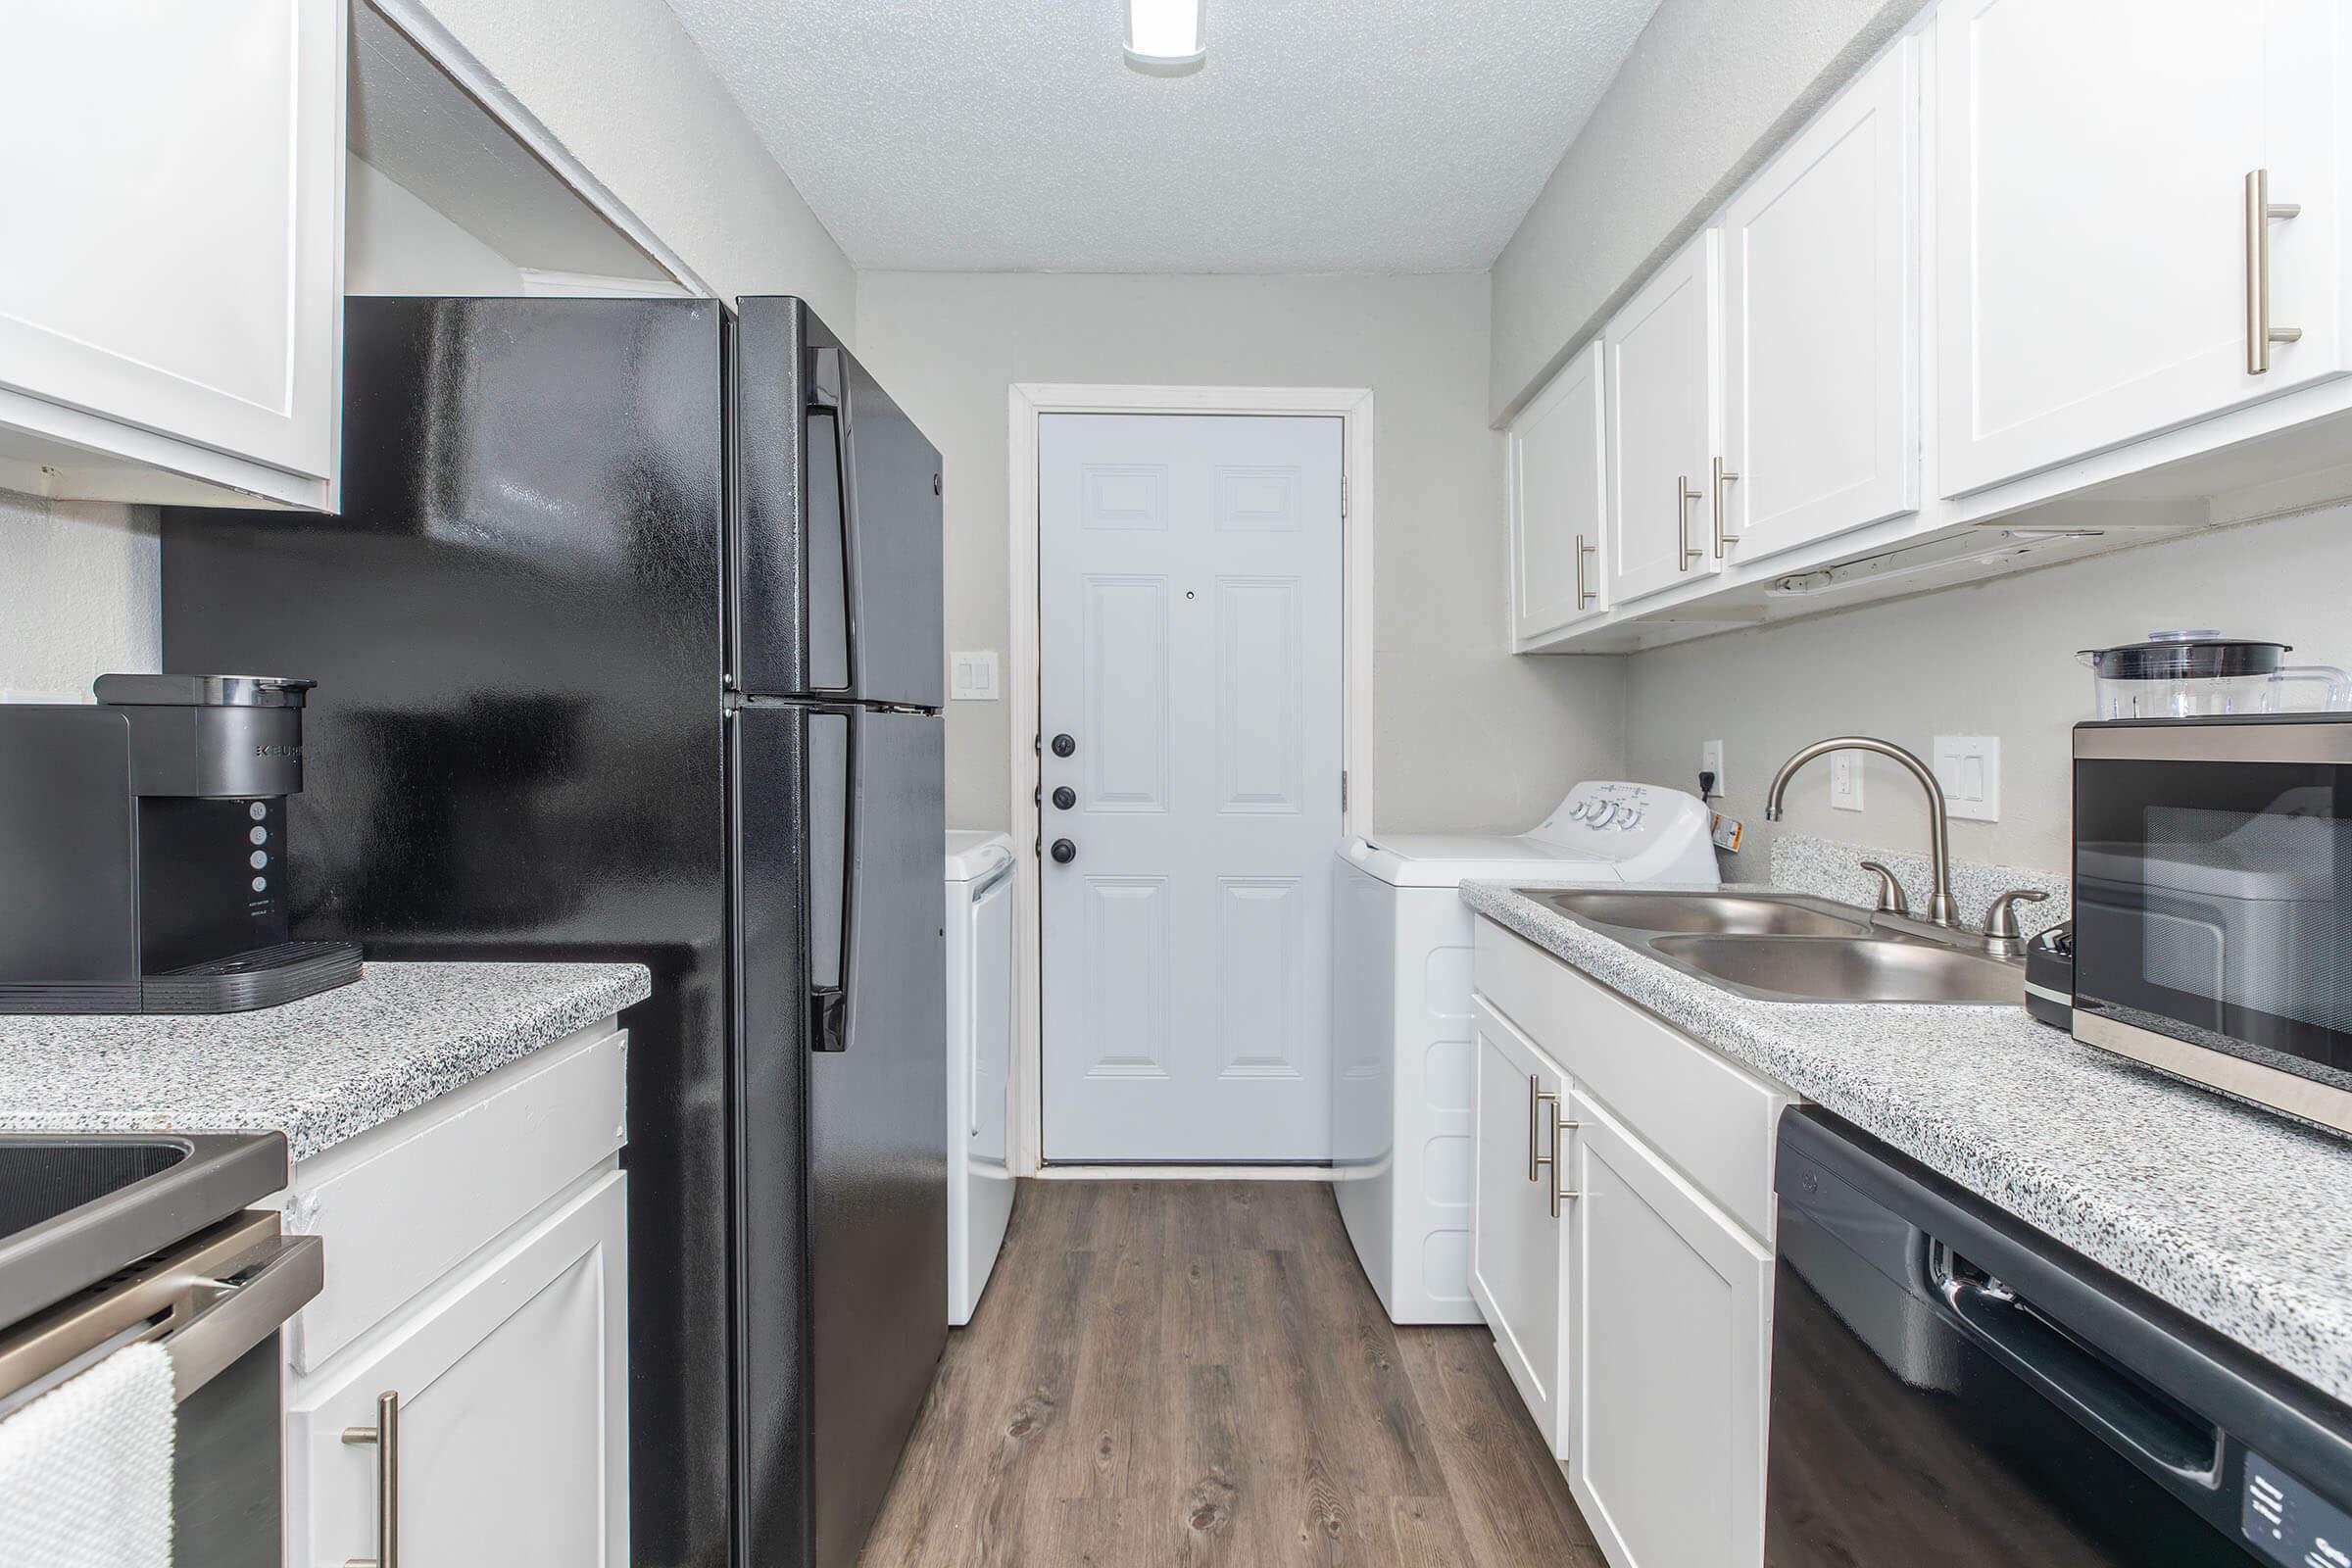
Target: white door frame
<point>1027,400</point>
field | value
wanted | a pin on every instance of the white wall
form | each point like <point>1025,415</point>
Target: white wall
<point>395,243</point>
<point>1993,660</point>
<point>1712,87</point>
<point>78,594</point>
<point>1464,735</point>
<point>620,84</point>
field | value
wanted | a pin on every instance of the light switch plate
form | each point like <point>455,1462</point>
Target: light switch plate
<point>1710,761</point>
<point>1845,780</point>
<point>1969,767</point>
<point>972,677</point>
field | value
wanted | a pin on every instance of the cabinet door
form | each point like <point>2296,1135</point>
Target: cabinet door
<point>512,1380</point>
<point>1670,1333</point>
<point>1662,383</point>
<point>2092,158</point>
<point>1558,500</point>
<point>1821,324</point>
<point>186,166</point>
<point>1516,1251</point>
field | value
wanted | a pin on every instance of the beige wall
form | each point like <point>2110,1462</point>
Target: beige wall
<point>1464,735</point>
<point>620,84</point>
<point>78,594</point>
<point>395,243</point>
<point>1710,90</point>
<point>1997,659</point>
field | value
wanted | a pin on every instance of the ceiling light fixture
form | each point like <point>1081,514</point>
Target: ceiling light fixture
<point>1167,37</point>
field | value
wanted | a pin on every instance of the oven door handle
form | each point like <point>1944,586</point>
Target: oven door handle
<point>250,1305</point>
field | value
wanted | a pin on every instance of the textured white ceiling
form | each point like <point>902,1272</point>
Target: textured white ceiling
<point>1322,136</point>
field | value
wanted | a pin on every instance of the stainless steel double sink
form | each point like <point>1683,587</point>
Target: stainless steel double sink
<point>1790,947</point>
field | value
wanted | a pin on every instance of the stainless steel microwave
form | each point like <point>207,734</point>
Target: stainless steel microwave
<point>2213,902</point>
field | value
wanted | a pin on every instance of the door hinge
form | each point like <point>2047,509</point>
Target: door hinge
<point>1343,789</point>
<point>1343,498</point>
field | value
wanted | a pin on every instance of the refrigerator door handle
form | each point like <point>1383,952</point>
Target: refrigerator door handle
<point>829,985</point>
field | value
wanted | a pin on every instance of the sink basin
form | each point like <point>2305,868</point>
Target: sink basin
<point>77,1207</point>
<point>1784,969</point>
<point>1711,912</point>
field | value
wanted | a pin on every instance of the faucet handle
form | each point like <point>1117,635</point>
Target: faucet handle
<point>1893,900</point>
<point>2000,920</point>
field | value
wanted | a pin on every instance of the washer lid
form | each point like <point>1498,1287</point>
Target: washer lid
<point>1603,831</point>
<point>974,852</point>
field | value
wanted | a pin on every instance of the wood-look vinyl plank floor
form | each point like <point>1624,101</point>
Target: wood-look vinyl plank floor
<point>1196,1375</point>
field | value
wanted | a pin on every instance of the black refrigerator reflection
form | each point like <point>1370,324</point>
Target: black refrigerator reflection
<point>628,647</point>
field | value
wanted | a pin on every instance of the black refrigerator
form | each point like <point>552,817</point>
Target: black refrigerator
<point>627,642</point>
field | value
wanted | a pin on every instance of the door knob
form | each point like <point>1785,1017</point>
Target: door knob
<point>1063,745</point>
<point>1063,852</point>
<point>1065,798</point>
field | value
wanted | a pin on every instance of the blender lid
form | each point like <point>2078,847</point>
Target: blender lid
<point>200,691</point>
<point>2186,655</point>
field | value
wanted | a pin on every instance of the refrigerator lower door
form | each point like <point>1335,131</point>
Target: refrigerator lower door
<point>840,1115</point>
<point>877,1130</point>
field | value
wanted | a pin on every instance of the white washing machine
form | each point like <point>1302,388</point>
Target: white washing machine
<point>1401,1016</point>
<point>979,931</point>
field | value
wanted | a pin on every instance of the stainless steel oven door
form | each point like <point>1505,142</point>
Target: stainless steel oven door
<point>2212,904</point>
<point>215,1302</point>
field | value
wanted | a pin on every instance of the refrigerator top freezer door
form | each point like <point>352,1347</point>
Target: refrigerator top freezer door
<point>835,581</point>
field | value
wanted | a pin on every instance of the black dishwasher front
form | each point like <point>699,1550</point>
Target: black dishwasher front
<point>1951,1386</point>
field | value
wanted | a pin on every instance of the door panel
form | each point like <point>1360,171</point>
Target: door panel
<point>898,639</point>
<point>513,1411</point>
<point>1518,1251</point>
<point>1190,649</point>
<point>877,1134</point>
<point>1821,323</point>
<point>1670,1331</point>
<point>1558,500</point>
<point>2094,269</point>
<point>1660,378</point>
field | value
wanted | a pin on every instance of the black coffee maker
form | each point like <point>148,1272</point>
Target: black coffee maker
<point>143,849</point>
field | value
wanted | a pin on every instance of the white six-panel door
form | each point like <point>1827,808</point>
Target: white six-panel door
<point>1189,647</point>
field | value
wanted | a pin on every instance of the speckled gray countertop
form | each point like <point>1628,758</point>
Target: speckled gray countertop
<point>319,1070</point>
<point>2237,1217</point>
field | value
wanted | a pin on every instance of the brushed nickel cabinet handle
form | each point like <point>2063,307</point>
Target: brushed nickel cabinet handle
<point>1585,597</point>
<point>1683,495</point>
<point>1723,476</point>
<point>1559,1167</point>
<point>2260,212</point>
<point>1537,1095</point>
<point>385,1434</point>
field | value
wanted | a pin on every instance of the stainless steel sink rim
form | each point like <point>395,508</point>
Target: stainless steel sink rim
<point>1868,939</point>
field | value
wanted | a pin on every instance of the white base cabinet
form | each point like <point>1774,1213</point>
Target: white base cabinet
<point>486,1318</point>
<point>1638,1324</point>
<point>1670,1335</point>
<point>1518,1246</point>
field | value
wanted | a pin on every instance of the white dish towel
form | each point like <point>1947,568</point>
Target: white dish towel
<point>86,1470</point>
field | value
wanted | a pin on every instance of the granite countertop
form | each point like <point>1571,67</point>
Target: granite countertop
<point>319,1070</point>
<point>2239,1218</point>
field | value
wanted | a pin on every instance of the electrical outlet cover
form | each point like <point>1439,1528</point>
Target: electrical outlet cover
<point>1845,780</point>
<point>1969,767</point>
<point>1710,761</point>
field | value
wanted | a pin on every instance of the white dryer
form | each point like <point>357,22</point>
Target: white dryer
<point>979,932</point>
<point>1402,1062</point>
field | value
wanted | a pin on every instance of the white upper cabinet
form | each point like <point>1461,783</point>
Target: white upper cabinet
<point>2102,273</point>
<point>1662,382</point>
<point>1558,500</point>
<point>174,302</point>
<point>1821,324</point>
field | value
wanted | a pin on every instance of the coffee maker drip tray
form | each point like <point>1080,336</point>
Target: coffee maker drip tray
<point>264,977</point>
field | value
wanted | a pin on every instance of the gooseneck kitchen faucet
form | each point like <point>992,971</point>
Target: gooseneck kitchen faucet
<point>1942,909</point>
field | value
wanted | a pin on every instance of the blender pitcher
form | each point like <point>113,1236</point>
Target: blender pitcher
<point>2195,674</point>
